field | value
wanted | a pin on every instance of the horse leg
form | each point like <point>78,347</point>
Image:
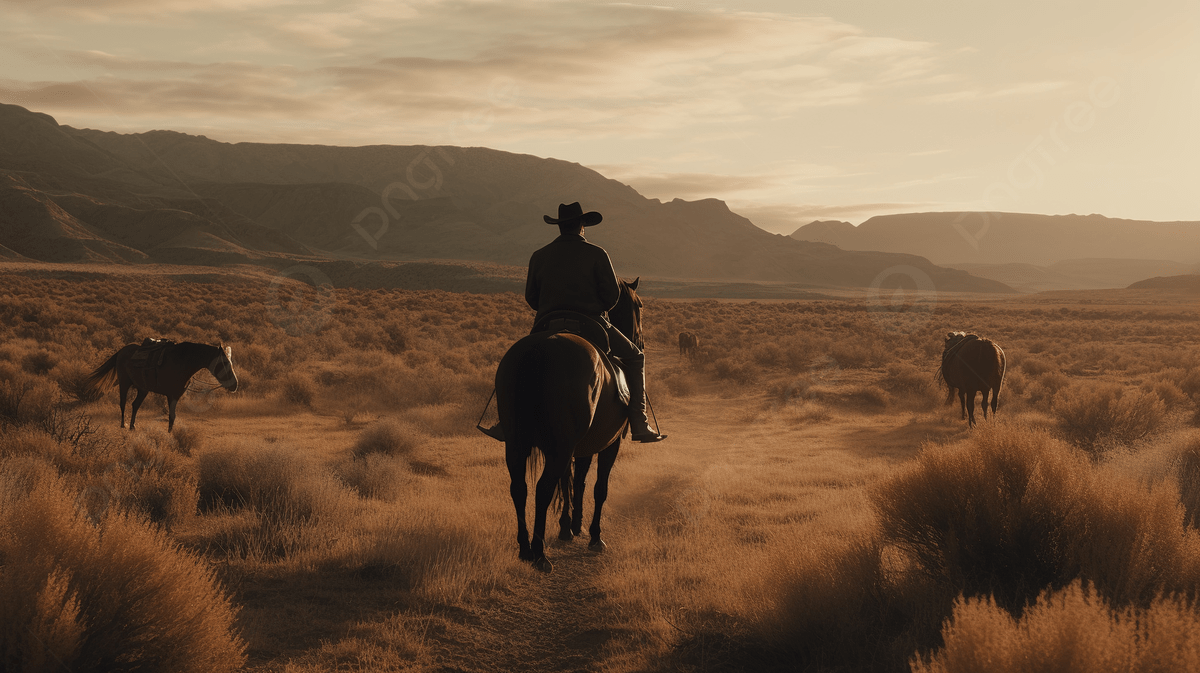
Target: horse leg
<point>137,402</point>
<point>983,404</point>
<point>603,469</point>
<point>564,516</point>
<point>995,399</point>
<point>556,465</point>
<point>171,402</point>
<point>518,490</point>
<point>962,402</point>
<point>124,392</point>
<point>971,410</point>
<point>582,466</point>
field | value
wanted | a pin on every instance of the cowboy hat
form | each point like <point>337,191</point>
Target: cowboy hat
<point>569,213</point>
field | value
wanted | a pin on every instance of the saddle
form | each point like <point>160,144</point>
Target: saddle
<point>150,354</point>
<point>953,349</point>
<point>592,331</point>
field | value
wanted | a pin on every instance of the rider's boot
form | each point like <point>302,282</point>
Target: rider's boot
<point>639,425</point>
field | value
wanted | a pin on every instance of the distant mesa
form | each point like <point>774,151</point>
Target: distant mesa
<point>1013,238</point>
<point>1028,252</point>
<point>1186,282</point>
<point>71,194</point>
<point>825,231</point>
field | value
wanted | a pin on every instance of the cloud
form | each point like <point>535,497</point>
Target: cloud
<point>977,93</point>
<point>932,180</point>
<point>109,11</point>
<point>771,180</point>
<point>222,90</point>
<point>784,219</point>
<point>691,186</point>
<point>581,69</point>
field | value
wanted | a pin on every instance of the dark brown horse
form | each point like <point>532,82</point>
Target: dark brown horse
<point>688,343</point>
<point>971,364</point>
<point>555,396</point>
<point>164,368</point>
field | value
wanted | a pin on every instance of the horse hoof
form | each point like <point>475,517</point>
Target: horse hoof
<point>597,546</point>
<point>543,564</point>
<point>577,531</point>
<point>565,535</point>
<point>525,555</point>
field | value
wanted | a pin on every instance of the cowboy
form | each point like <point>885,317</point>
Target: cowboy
<point>572,274</point>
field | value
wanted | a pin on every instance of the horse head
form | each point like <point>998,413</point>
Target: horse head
<point>221,368</point>
<point>953,338</point>
<point>626,316</point>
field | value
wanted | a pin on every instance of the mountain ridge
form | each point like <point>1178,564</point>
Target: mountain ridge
<point>1004,237</point>
<point>161,194</point>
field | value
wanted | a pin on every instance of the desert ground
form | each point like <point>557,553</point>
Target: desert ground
<point>816,507</point>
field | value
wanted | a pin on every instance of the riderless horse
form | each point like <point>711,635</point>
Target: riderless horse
<point>971,364</point>
<point>163,367</point>
<point>688,344</point>
<point>558,396</point>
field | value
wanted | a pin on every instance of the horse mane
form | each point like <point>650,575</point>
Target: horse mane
<point>954,343</point>
<point>621,315</point>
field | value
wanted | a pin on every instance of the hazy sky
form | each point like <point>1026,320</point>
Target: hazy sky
<point>790,111</point>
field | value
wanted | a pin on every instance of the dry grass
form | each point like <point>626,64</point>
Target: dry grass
<point>1098,417</point>
<point>377,476</point>
<point>1068,631</point>
<point>114,596</point>
<point>292,506</point>
<point>388,438</point>
<point>1188,478</point>
<point>841,604</point>
<point>349,460</point>
<point>1014,512</point>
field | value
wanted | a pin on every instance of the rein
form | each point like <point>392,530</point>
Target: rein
<point>193,384</point>
<point>206,387</point>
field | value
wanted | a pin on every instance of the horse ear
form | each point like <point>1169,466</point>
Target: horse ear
<point>633,285</point>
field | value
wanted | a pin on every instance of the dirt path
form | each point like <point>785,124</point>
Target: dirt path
<point>564,621</point>
<point>539,622</point>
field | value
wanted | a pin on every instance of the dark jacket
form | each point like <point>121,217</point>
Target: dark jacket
<point>571,274</point>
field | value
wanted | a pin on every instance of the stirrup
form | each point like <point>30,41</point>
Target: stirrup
<point>495,432</point>
<point>648,438</point>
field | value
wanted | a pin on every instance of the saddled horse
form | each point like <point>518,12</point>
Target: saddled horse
<point>162,367</point>
<point>555,396</point>
<point>971,364</point>
<point>688,344</point>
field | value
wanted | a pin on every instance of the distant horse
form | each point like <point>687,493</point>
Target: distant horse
<point>688,344</point>
<point>555,395</point>
<point>162,367</point>
<point>971,364</point>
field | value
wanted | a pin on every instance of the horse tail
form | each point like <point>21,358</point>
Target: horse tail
<point>1003,365</point>
<point>566,488</point>
<point>528,400</point>
<point>529,427</point>
<point>105,374</point>
<point>940,378</point>
<point>1003,372</point>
